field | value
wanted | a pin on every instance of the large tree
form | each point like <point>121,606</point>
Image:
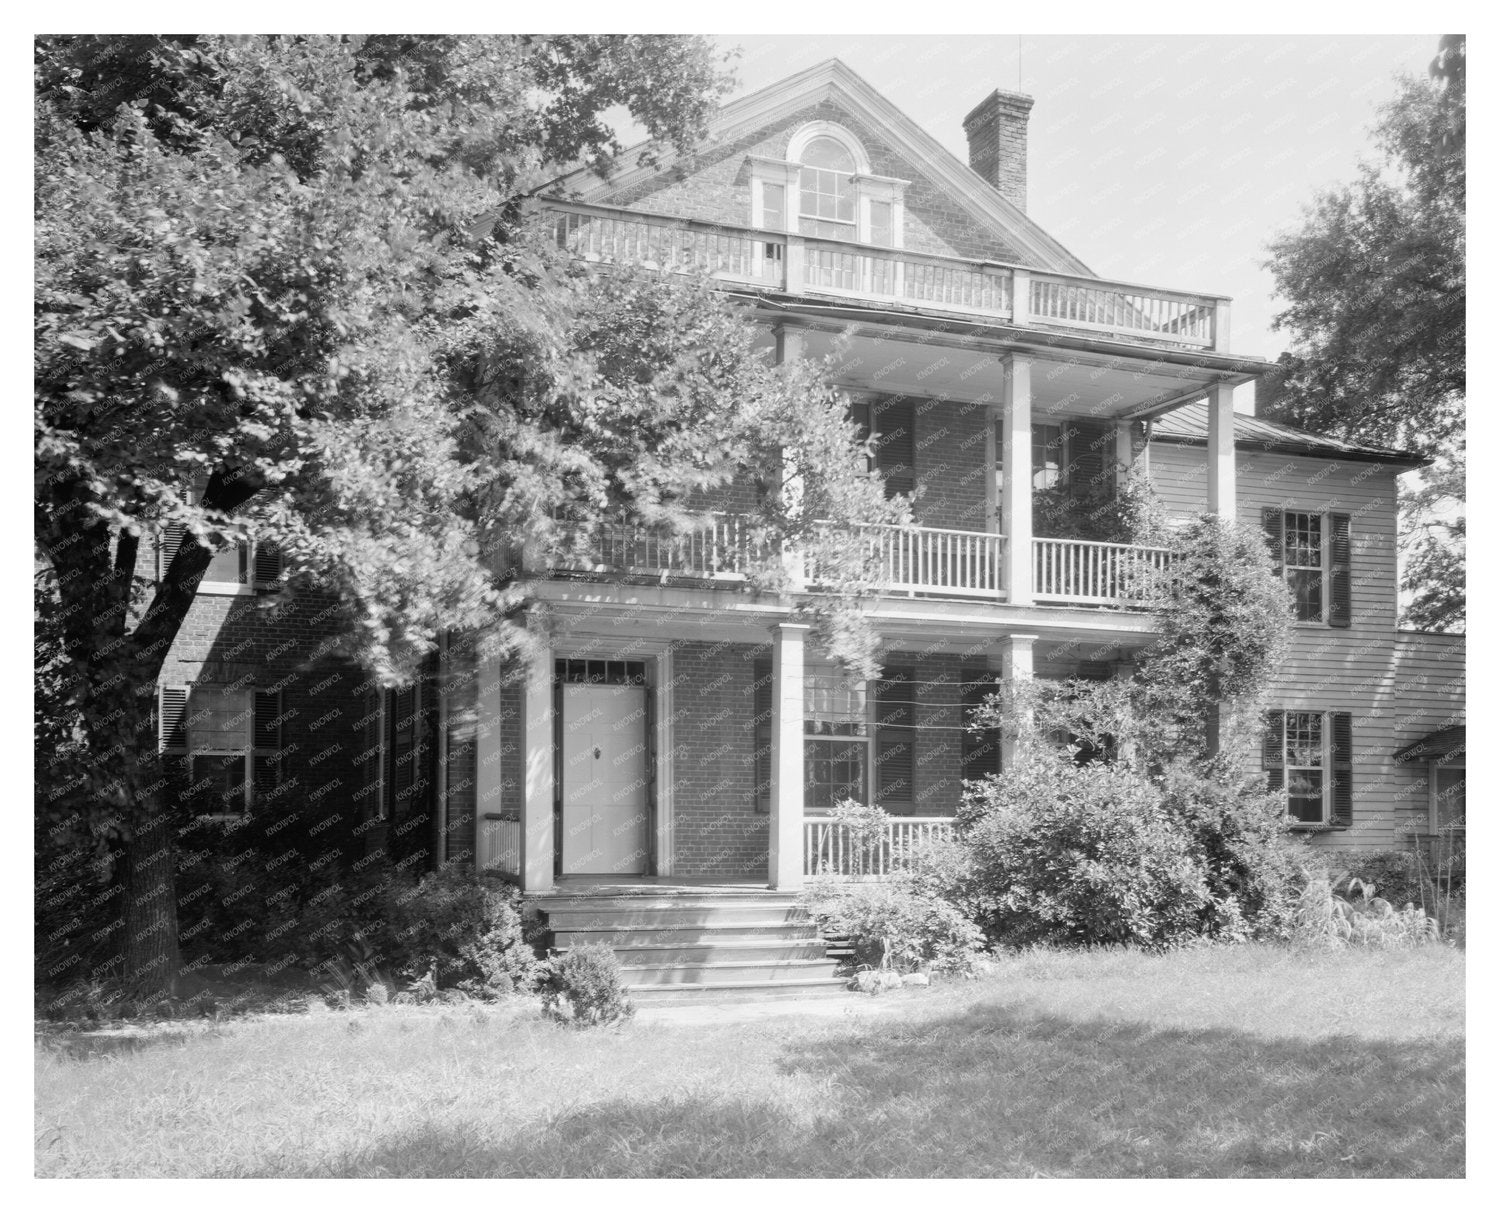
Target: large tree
<point>1374,287</point>
<point>300,274</point>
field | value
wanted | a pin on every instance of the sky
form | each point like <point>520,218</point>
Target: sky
<point>1169,161</point>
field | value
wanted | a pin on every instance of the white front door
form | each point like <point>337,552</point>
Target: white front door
<point>604,813</point>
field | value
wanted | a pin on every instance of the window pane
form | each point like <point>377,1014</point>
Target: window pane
<point>1305,795</point>
<point>228,565</point>
<point>1046,456</point>
<point>833,771</point>
<point>827,153</point>
<point>833,706</point>
<point>1307,593</point>
<point>219,782</point>
<point>1304,540</point>
<point>773,207</point>
<point>218,718</point>
<point>1304,739</point>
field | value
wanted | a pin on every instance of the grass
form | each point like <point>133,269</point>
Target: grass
<point>1249,1061</point>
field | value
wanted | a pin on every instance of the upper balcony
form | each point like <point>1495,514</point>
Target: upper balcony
<point>805,266</point>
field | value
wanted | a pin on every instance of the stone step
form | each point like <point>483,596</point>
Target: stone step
<point>759,951</point>
<point>686,933</point>
<point>596,918</point>
<point>717,972</point>
<point>692,993</point>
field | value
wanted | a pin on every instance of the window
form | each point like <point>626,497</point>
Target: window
<point>1311,553</point>
<point>882,224</point>
<point>228,740</point>
<point>1309,758</point>
<point>248,564</point>
<point>892,421</point>
<point>827,191</point>
<point>1048,456</point>
<point>836,733</point>
<point>980,753</point>
<point>773,207</point>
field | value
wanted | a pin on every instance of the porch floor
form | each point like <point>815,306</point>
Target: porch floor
<point>650,886</point>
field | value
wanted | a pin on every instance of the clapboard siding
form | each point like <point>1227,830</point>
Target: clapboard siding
<point>1367,669</point>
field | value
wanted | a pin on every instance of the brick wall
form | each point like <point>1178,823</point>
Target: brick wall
<point>717,830</point>
<point>714,185</point>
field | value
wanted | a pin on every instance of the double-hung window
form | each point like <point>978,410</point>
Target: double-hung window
<point>1310,551</point>
<point>1309,758</point>
<point>228,740</point>
<point>234,569</point>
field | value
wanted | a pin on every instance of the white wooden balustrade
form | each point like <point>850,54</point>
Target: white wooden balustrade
<point>931,560</point>
<point>1085,571</point>
<point>830,848</point>
<point>724,547</point>
<point>804,264</point>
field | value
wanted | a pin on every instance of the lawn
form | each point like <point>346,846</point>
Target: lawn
<point>1250,1061</point>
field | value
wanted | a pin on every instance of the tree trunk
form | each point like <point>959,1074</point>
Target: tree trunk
<point>148,875</point>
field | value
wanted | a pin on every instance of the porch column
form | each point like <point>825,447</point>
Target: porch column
<point>1126,456</point>
<point>536,790</point>
<point>787,653</point>
<point>1016,660</point>
<point>1015,461</point>
<point>1221,488</point>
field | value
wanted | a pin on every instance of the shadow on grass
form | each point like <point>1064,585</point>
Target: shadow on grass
<point>1001,1092</point>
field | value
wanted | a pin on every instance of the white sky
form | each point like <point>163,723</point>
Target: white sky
<point>1165,160</point>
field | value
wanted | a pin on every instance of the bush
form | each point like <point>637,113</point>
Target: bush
<point>583,987</point>
<point>896,924</point>
<point>1083,855</point>
<point>1342,911</point>
<point>1252,865</point>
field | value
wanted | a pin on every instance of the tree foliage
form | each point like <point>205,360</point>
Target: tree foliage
<point>301,274</point>
<point>1374,289</point>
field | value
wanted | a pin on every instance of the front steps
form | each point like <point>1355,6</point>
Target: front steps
<point>684,946</point>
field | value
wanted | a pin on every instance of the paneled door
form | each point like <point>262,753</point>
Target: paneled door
<point>604,809</point>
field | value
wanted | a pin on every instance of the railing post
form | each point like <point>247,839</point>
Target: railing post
<point>1016,469</point>
<point>795,262</point>
<point>1020,297</point>
<point>1220,340</point>
<point>785,860</point>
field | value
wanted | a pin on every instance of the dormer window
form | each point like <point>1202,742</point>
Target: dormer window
<point>824,190</point>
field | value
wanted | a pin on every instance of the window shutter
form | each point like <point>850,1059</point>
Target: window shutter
<point>266,720</point>
<point>1085,452</point>
<point>171,735</point>
<point>1338,571</point>
<point>761,735</point>
<point>1272,751</point>
<point>1343,769</point>
<point>896,446</point>
<point>267,562</point>
<point>895,739</point>
<point>1275,524</point>
<point>167,544</point>
<point>980,751</point>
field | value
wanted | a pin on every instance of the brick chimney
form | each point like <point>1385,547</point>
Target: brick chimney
<point>996,130</point>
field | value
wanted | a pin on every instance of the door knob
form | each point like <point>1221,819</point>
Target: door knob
<point>597,753</point>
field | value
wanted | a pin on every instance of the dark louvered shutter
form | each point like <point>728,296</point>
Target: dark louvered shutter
<point>1343,768</point>
<point>980,750</point>
<point>167,544</point>
<point>1338,571</point>
<point>896,445</point>
<point>1086,444</point>
<point>761,735</point>
<point>1272,752</point>
<point>1274,522</point>
<point>265,735</point>
<point>171,733</point>
<point>267,562</point>
<point>895,739</point>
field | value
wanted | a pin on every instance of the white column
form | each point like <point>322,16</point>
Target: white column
<point>1221,487</point>
<point>537,792</point>
<point>790,346</point>
<point>1016,659</point>
<point>1125,456</point>
<point>1015,458</point>
<point>787,655</point>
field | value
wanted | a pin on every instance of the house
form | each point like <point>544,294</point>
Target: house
<point>677,726</point>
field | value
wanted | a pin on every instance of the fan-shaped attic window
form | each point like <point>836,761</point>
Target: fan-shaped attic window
<point>828,196</point>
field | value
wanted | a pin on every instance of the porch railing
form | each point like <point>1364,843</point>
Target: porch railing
<point>830,847</point>
<point>500,843</point>
<point>931,560</point>
<point>807,265</point>
<point>725,546</point>
<point>1085,571</point>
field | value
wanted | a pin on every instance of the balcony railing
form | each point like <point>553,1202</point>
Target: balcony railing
<point>1084,571</point>
<point>805,265</point>
<point>830,848</point>
<point>909,560</point>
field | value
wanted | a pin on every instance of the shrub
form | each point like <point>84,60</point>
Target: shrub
<point>464,931</point>
<point>1082,855</point>
<point>1341,911</point>
<point>1253,866</point>
<point>583,987</point>
<point>896,924</point>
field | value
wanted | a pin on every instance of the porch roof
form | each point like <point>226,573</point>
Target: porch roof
<point>1444,743</point>
<point>1189,425</point>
